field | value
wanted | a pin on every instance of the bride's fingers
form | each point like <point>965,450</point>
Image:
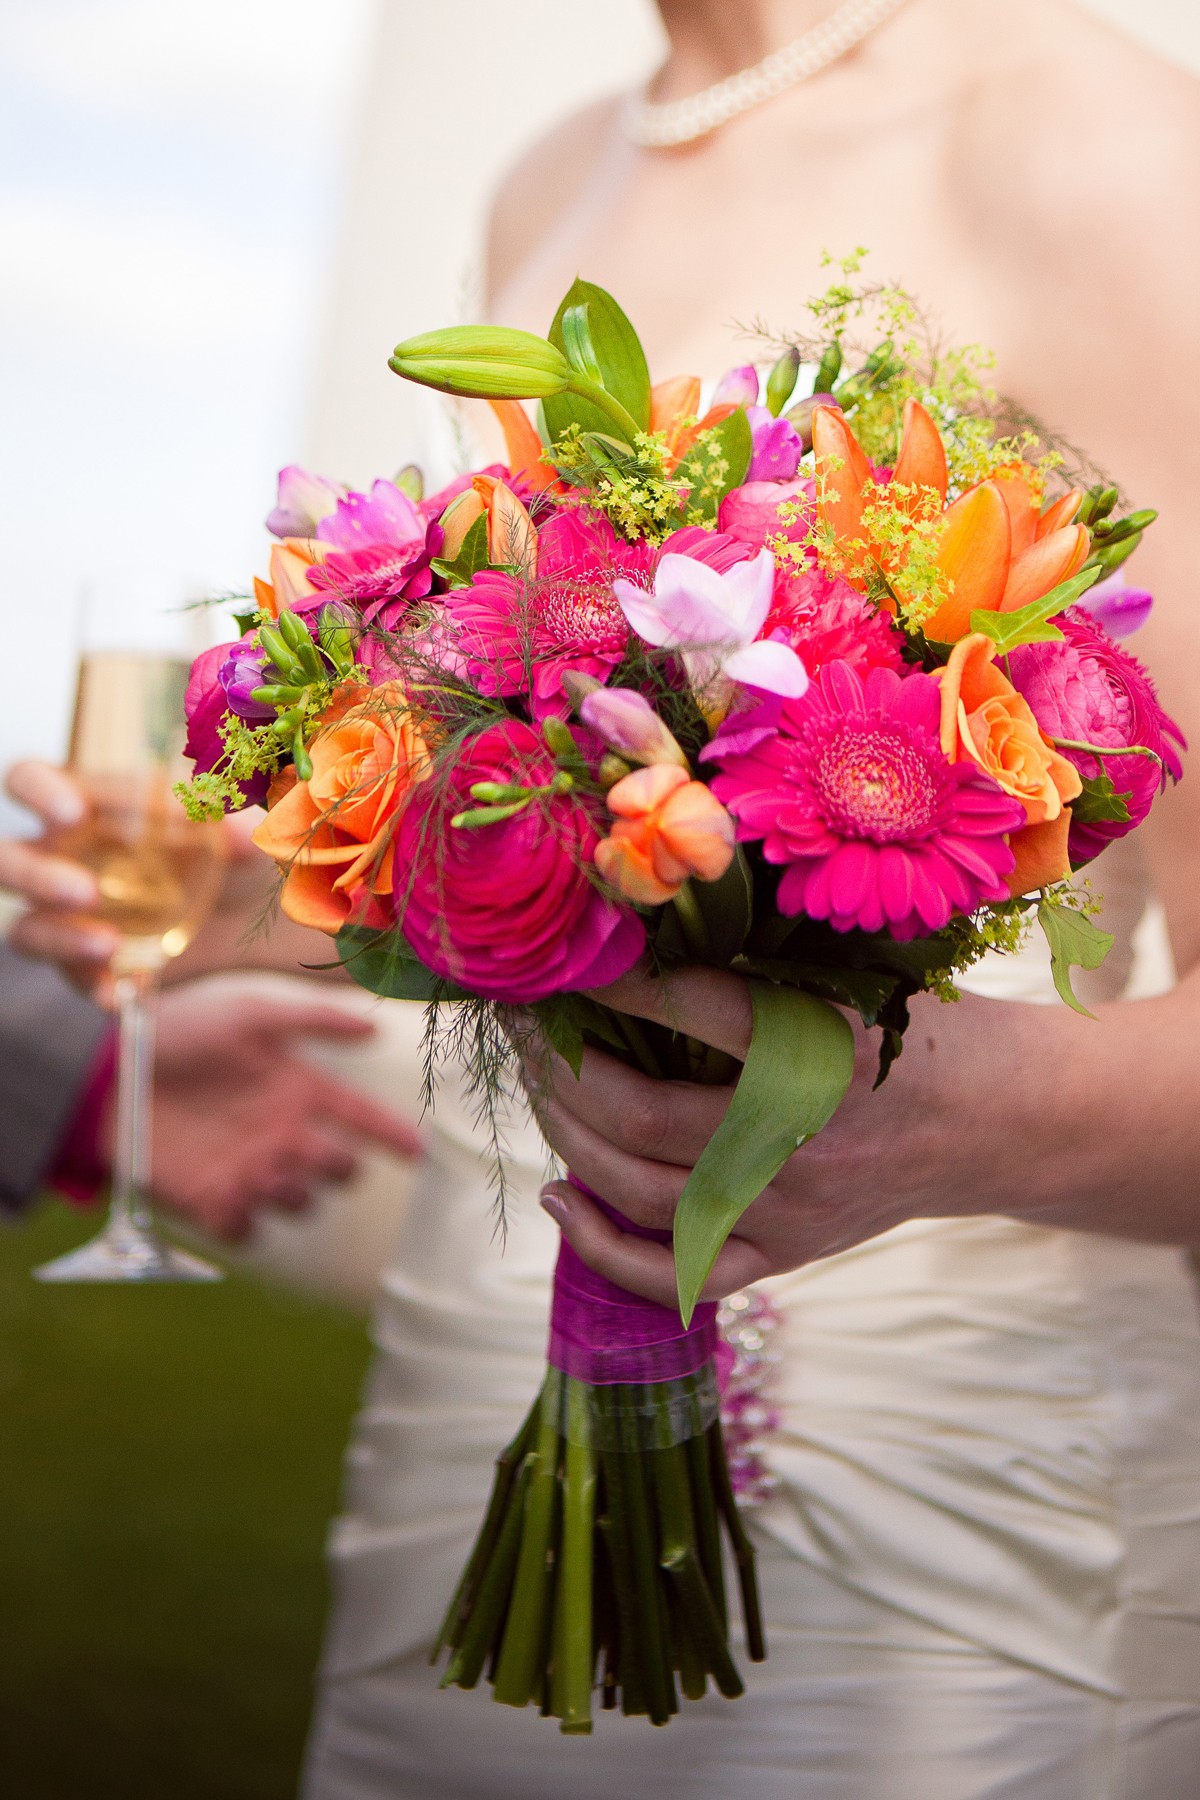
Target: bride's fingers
<point>646,1192</point>
<point>709,1004</point>
<point>667,1121</point>
<point>49,792</point>
<point>637,1264</point>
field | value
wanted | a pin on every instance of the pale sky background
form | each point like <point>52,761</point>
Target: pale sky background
<point>216,216</point>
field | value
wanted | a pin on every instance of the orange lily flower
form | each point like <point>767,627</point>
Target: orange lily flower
<point>998,551</point>
<point>512,535</point>
<point>524,446</point>
<point>290,562</point>
<point>674,405</point>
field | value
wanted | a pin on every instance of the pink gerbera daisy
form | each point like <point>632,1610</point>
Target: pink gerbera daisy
<point>851,792</point>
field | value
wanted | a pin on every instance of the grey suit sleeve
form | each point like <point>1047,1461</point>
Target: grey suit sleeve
<point>49,1036</point>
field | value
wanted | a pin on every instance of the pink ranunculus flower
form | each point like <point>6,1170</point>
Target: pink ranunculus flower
<point>509,910</point>
<point>1086,689</point>
<point>515,637</point>
<point>750,513</point>
<point>852,796</point>
<point>825,620</point>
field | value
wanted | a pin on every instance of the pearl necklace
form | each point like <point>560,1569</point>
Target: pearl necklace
<point>659,126</point>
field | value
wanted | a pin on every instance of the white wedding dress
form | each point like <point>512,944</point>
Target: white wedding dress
<point>981,1568</point>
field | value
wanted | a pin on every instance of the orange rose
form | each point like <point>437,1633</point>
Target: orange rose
<point>333,833</point>
<point>668,827</point>
<point>986,719</point>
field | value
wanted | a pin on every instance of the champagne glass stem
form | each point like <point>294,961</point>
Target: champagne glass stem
<point>130,1211</point>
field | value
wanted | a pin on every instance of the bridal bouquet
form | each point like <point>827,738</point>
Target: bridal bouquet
<point>818,683</point>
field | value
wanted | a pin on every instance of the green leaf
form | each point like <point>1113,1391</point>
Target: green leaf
<point>865,990</point>
<point>578,345</point>
<point>1031,624</point>
<point>472,556</point>
<point>716,463</point>
<point>1100,803</point>
<point>799,1066</point>
<point>383,963</point>
<point>618,357</point>
<point>1075,943</point>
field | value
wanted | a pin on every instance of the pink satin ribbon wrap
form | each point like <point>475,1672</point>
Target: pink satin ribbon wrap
<point>601,1334</point>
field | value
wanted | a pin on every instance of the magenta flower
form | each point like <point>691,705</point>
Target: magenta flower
<point>825,620</point>
<point>737,387</point>
<point>852,795</point>
<point>302,501</point>
<point>246,667</point>
<point>625,721</point>
<point>382,550</point>
<point>1088,690</point>
<point>510,636</point>
<point>750,513</point>
<point>777,447</point>
<point>508,909</point>
<point>1121,609</point>
<point>714,620</point>
<point>205,706</point>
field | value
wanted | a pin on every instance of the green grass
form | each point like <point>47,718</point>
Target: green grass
<point>169,1460</point>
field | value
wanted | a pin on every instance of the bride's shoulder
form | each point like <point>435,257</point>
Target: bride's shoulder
<point>1080,149</point>
<point>538,189</point>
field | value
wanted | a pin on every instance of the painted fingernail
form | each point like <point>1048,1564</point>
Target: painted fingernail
<point>555,1205</point>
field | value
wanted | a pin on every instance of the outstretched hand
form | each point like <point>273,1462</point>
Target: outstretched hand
<point>891,1155</point>
<point>242,1121</point>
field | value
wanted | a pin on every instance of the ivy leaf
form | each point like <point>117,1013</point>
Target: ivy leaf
<point>716,464</point>
<point>1031,624</point>
<point>1100,803</point>
<point>472,556</point>
<point>1075,943</point>
<point>798,1067</point>
<point>383,963</point>
<point>600,335</point>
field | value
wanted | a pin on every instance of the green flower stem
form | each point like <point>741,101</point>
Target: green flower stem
<point>574,1653</point>
<point>508,1466</point>
<point>648,1602</point>
<point>517,1667</point>
<point>1107,749</point>
<point>466,1665</point>
<point>708,1527</point>
<point>691,923</point>
<point>669,1474</point>
<point>605,1601</point>
<point>743,1549</point>
<point>634,1035</point>
<point>629,1662</point>
<point>603,401</point>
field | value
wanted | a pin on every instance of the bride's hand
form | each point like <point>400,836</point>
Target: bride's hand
<point>634,1141</point>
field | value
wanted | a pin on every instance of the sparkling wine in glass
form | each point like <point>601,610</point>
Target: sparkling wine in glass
<point>158,874</point>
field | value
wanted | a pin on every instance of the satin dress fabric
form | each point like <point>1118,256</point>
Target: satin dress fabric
<point>981,1567</point>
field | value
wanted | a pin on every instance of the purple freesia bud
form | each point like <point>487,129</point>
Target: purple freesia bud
<point>384,516</point>
<point>302,501</point>
<point>245,668</point>
<point>1121,609</point>
<point>625,721</point>
<point>777,447</point>
<point>739,387</point>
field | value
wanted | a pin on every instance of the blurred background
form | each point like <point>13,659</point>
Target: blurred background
<point>217,217</point>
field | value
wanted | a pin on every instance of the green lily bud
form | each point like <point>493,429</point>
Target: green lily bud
<point>488,815</point>
<point>280,653</point>
<point>410,481</point>
<point>781,382</point>
<point>275,693</point>
<point>486,362</point>
<point>558,738</point>
<point>829,370</point>
<point>295,635</point>
<point>612,769</point>
<point>301,758</point>
<point>498,793</point>
<point>1098,502</point>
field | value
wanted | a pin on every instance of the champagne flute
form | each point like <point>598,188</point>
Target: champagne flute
<point>158,873</point>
